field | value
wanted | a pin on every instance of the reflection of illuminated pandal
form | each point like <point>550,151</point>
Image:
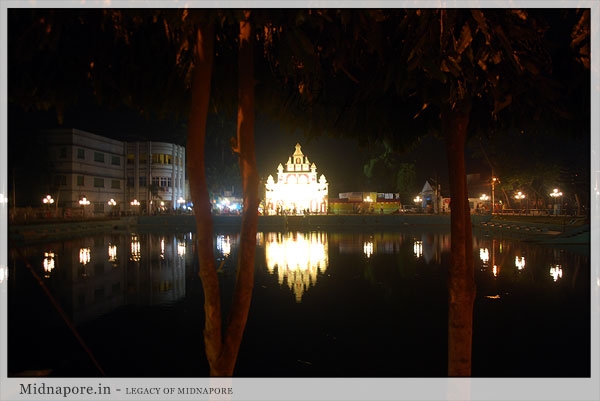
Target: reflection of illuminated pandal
<point>135,249</point>
<point>418,248</point>
<point>556,271</point>
<point>368,248</point>
<point>84,256</point>
<point>224,244</point>
<point>112,253</point>
<point>495,270</point>
<point>48,263</point>
<point>298,259</point>
<point>520,262</point>
<point>162,248</point>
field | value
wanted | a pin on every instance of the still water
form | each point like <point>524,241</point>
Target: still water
<point>324,304</point>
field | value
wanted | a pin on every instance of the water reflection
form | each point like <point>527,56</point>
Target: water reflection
<point>484,255</point>
<point>88,287</point>
<point>224,245</point>
<point>48,263</point>
<point>135,249</point>
<point>556,272</point>
<point>368,248</point>
<point>112,254</point>
<point>520,262</point>
<point>298,258</point>
<point>84,256</point>
<point>181,249</point>
<point>418,248</point>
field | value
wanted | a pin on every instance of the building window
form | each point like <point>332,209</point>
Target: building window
<point>80,181</point>
<point>168,159</point>
<point>99,157</point>
<point>80,153</point>
<point>60,180</point>
<point>176,161</point>
<point>143,181</point>
<point>98,207</point>
<point>63,152</point>
<point>163,181</point>
<point>116,161</point>
<point>115,184</point>
<point>155,181</point>
<point>129,182</point>
<point>143,158</point>
<point>130,158</point>
<point>98,182</point>
<point>169,181</point>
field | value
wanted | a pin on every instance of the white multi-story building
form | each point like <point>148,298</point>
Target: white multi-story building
<point>100,170</point>
<point>155,174</point>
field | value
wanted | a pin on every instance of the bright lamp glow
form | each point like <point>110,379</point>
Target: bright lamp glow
<point>297,188</point>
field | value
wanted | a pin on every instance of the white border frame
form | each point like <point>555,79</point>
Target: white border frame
<point>326,388</point>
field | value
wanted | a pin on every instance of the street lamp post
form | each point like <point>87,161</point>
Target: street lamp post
<point>135,202</point>
<point>520,196</point>
<point>555,194</point>
<point>494,179</point>
<point>484,198</point>
<point>83,202</point>
<point>417,200</point>
<point>112,203</point>
<point>48,201</point>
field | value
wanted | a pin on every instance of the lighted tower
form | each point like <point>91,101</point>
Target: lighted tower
<point>298,188</point>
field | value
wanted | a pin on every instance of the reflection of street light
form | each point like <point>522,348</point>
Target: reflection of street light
<point>555,194</point>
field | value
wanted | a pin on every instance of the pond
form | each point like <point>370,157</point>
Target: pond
<point>325,304</point>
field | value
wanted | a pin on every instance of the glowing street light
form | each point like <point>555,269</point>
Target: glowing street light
<point>48,200</point>
<point>181,201</point>
<point>556,194</point>
<point>134,202</point>
<point>484,197</point>
<point>112,202</point>
<point>84,201</point>
<point>494,181</point>
<point>418,199</point>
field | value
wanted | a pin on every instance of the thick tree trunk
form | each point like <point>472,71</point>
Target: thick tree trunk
<point>203,58</point>
<point>461,282</point>
<point>242,294</point>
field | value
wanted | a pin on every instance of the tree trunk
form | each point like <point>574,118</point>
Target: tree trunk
<point>242,295</point>
<point>203,56</point>
<point>461,282</point>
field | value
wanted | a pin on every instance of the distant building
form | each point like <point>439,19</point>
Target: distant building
<point>297,188</point>
<point>100,169</point>
<point>159,166</point>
